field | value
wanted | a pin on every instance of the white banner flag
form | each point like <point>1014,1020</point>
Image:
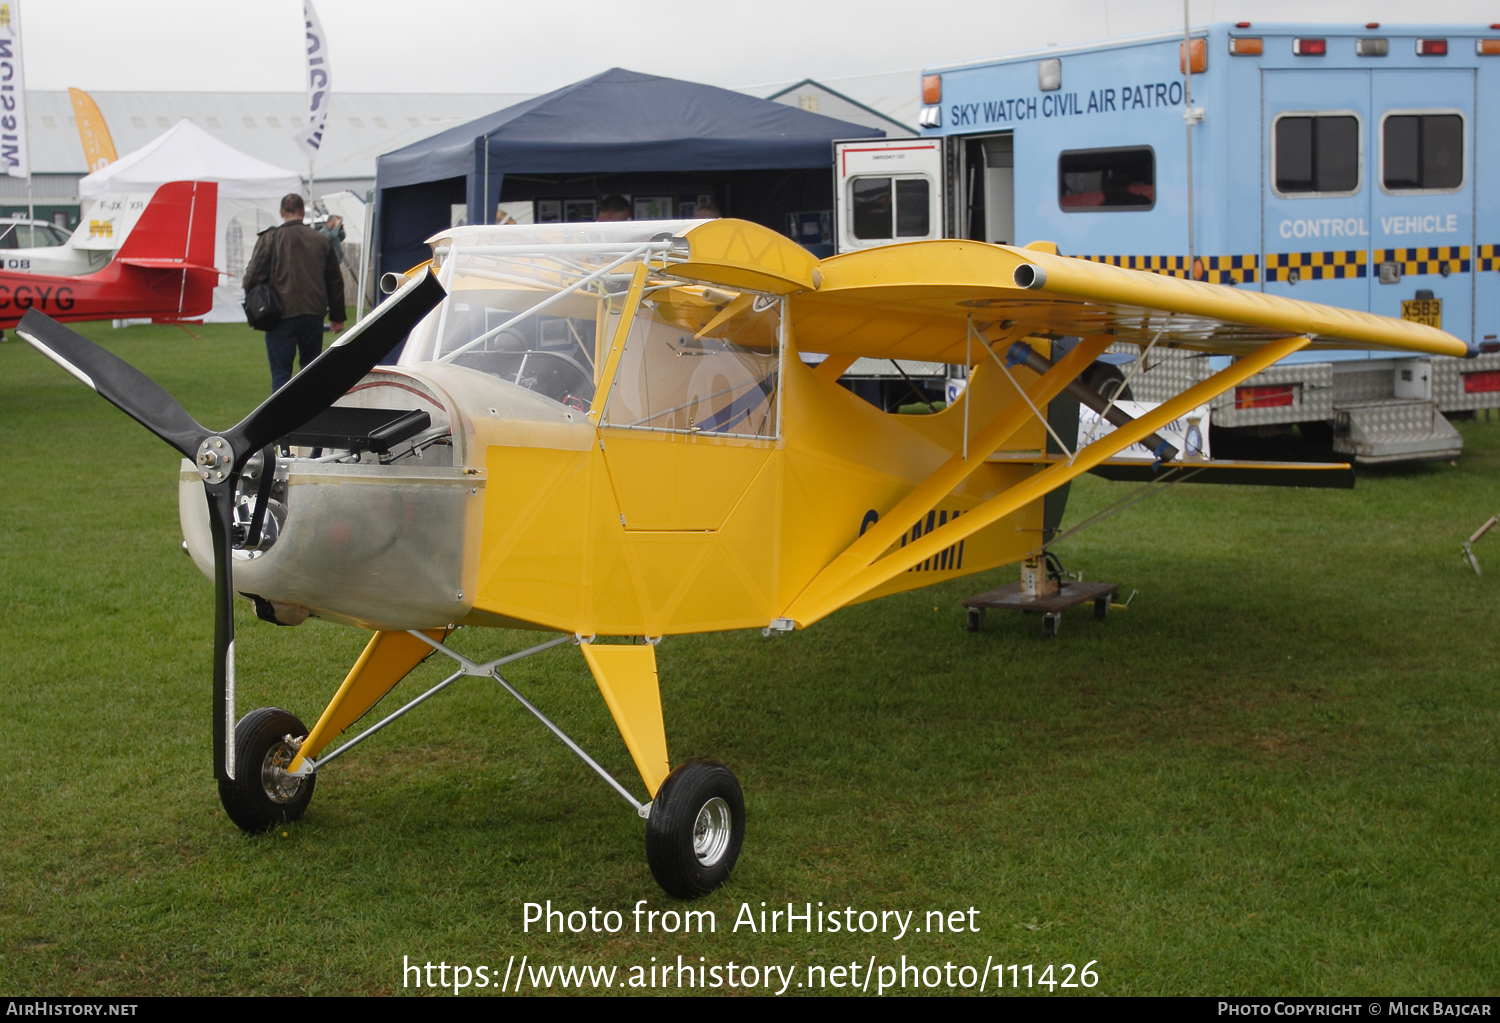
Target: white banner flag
<point>310,138</point>
<point>13,149</point>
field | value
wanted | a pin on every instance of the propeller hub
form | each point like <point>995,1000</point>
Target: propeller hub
<point>215,457</point>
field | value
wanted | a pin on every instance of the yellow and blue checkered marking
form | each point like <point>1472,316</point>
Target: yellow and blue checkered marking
<point>1431,259</point>
<point>1316,266</point>
<point>1216,269</point>
<point>1489,257</point>
<point>1223,269</point>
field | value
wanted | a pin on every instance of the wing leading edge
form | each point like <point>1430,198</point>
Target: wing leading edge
<point>916,301</point>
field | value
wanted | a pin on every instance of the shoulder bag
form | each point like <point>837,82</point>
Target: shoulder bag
<point>262,306</point>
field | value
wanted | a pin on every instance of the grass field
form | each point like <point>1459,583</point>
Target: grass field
<point>1275,773</point>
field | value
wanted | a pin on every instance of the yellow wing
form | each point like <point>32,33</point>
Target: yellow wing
<point>915,301</point>
<point>958,301</point>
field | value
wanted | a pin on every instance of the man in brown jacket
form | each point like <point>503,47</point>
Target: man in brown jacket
<point>307,282</point>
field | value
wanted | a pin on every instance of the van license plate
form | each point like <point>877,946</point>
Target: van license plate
<point>1424,310</point>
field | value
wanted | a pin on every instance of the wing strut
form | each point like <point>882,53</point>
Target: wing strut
<point>863,552</point>
<point>856,572</point>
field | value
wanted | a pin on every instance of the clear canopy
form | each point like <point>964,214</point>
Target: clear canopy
<point>536,306</point>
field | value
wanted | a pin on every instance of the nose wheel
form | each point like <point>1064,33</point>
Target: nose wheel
<point>262,794</point>
<point>695,830</point>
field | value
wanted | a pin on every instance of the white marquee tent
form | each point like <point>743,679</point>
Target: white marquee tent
<point>249,193</point>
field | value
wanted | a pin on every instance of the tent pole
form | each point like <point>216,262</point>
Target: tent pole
<point>25,122</point>
<point>366,257</point>
<point>1187,116</point>
<point>484,214</point>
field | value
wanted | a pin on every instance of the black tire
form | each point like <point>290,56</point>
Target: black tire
<point>258,799</point>
<point>1107,379</point>
<point>689,855</point>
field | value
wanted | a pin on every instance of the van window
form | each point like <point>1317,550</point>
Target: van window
<point>882,203</point>
<point>1316,154</point>
<point>1090,180</point>
<point>1422,152</point>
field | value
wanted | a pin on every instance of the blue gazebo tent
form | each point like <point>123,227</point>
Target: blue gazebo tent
<point>619,131</point>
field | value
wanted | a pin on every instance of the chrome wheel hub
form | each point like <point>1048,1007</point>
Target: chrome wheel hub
<point>280,787</point>
<point>711,832</point>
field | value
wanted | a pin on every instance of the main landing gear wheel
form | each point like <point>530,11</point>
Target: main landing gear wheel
<point>696,828</point>
<point>262,794</point>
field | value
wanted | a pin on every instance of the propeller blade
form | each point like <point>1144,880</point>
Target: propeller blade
<point>318,386</point>
<point>220,517</point>
<point>340,367</point>
<point>116,380</point>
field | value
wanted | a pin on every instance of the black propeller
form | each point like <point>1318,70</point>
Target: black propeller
<point>221,457</point>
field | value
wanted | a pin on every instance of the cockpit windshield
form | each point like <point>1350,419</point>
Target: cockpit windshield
<point>538,306</point>
<point>530,304</point>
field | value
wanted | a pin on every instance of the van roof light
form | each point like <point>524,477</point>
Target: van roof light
<point>1246,46</point>
<point>1194,53</point>
<point>1049,74</point>
<point>1487,47</point>
<point>1372,47</point>
<point>932,88</point>
<point>1432,47</point>
<point>1310,47</point>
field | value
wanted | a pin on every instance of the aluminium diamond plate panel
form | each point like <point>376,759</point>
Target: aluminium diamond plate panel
<point>1312,397</point>
<point>1449,380</point>
<point>1394,430</point>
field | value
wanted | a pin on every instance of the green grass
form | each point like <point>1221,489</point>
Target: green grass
<point>1274,773</point>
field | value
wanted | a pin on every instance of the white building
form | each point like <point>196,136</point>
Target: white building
<point>361,126</point>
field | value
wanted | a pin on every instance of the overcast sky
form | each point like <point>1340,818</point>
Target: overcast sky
<point>496,46</point>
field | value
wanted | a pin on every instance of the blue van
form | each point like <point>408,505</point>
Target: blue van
<point>1339,164</point>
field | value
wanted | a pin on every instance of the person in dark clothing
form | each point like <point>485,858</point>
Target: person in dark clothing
<point>614,207</point>
<point>333,230</point>
<point>308,284</point>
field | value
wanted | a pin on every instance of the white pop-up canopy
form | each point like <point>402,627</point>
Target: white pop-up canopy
<point>250,191</point>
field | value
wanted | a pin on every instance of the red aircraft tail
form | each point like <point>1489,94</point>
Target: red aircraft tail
<point>176,232</point>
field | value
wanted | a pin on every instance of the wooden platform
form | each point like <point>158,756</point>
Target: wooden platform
<point>1050,606</point>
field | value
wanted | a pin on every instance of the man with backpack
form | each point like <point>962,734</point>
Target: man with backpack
<point>300,274</point>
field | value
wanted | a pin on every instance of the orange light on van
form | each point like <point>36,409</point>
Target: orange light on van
<point>1487,47</point>
<point>1310,47</point>
<point>932,89</point>
<point>1432,47</point>
<point>1198,48</point>
<point>1241,46</point>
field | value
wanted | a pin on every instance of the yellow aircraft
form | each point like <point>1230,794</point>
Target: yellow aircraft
<point>609,432</point>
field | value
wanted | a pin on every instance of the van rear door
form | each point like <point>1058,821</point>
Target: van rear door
<point>887,191</point>
<point>1422,199</point>
<point>1319,177</point>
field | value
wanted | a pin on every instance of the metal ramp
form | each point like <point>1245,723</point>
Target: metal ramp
<point>1397,430</point>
